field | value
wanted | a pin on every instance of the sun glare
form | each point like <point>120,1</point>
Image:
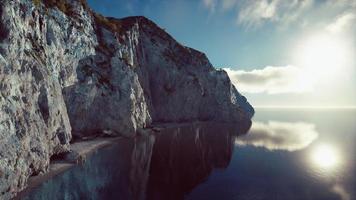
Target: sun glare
<point>322,57</point>
<point>325,156</point>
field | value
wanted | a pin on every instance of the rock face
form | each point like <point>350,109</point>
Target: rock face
<point>38,55</point>
<point>66,71</point>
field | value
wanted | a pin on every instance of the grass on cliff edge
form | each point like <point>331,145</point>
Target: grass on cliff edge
<point>67,8</point>
<point>62,5</point>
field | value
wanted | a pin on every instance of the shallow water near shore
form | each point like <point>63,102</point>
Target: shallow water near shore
<point>287,154</point>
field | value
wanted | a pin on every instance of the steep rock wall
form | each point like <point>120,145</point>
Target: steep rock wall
<point>66,71</point>
<point>39,48</point>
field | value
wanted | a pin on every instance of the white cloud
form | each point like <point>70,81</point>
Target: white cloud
<point>342,23</point>
<point>281,79</point>
<point>252,13</point>
<point>210,4</point>
<point>276,135</point>
<point>255,12</point>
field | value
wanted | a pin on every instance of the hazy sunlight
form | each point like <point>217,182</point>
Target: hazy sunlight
<point>322,57</point>
<point>325,156</point>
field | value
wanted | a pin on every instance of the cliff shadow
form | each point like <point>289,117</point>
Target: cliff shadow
<point>183,157</point>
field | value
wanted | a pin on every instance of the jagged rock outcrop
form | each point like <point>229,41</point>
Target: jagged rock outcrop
<point>144,73</point>
<point>66,71</point>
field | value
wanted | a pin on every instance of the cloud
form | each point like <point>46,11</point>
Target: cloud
<point>276,135</point>
<point>342,23</point>
<point>348,4</point>
<point>253,13</point>
<point>273,80</point>
<point>210,4</point>
<point>340,190</point>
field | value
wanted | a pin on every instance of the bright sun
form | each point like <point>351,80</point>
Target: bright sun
<point>325,156</point>
<point>322,57</point>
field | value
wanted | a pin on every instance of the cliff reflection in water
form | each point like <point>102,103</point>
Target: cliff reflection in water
<point>166,165</point>
<point>184,157</point>
<point>116,172</point>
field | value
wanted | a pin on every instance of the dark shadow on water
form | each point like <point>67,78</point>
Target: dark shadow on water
<point>184,157</point>
<point>165,165</point>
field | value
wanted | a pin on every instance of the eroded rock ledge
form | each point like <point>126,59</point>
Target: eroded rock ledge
<point>67,72</point>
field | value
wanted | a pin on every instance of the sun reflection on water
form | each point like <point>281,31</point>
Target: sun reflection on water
<point>325,156</point>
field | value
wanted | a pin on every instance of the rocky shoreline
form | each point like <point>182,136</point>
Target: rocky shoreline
<point>79,152</point>
<point>82,150</point>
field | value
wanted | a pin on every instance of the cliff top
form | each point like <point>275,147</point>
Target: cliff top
<point>118,25</point>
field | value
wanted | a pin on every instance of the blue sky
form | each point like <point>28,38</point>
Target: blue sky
<point>247,36</point>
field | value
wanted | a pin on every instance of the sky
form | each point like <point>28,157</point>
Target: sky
<point>276,52</point>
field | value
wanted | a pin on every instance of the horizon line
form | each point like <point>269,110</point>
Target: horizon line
<point>308,107</point>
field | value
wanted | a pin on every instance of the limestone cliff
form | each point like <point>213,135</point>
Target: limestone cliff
<point>66,71</point>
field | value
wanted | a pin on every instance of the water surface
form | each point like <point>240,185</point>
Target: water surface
<point>287,154</point>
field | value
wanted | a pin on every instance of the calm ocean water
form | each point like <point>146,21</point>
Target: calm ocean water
<point>287,154</point>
